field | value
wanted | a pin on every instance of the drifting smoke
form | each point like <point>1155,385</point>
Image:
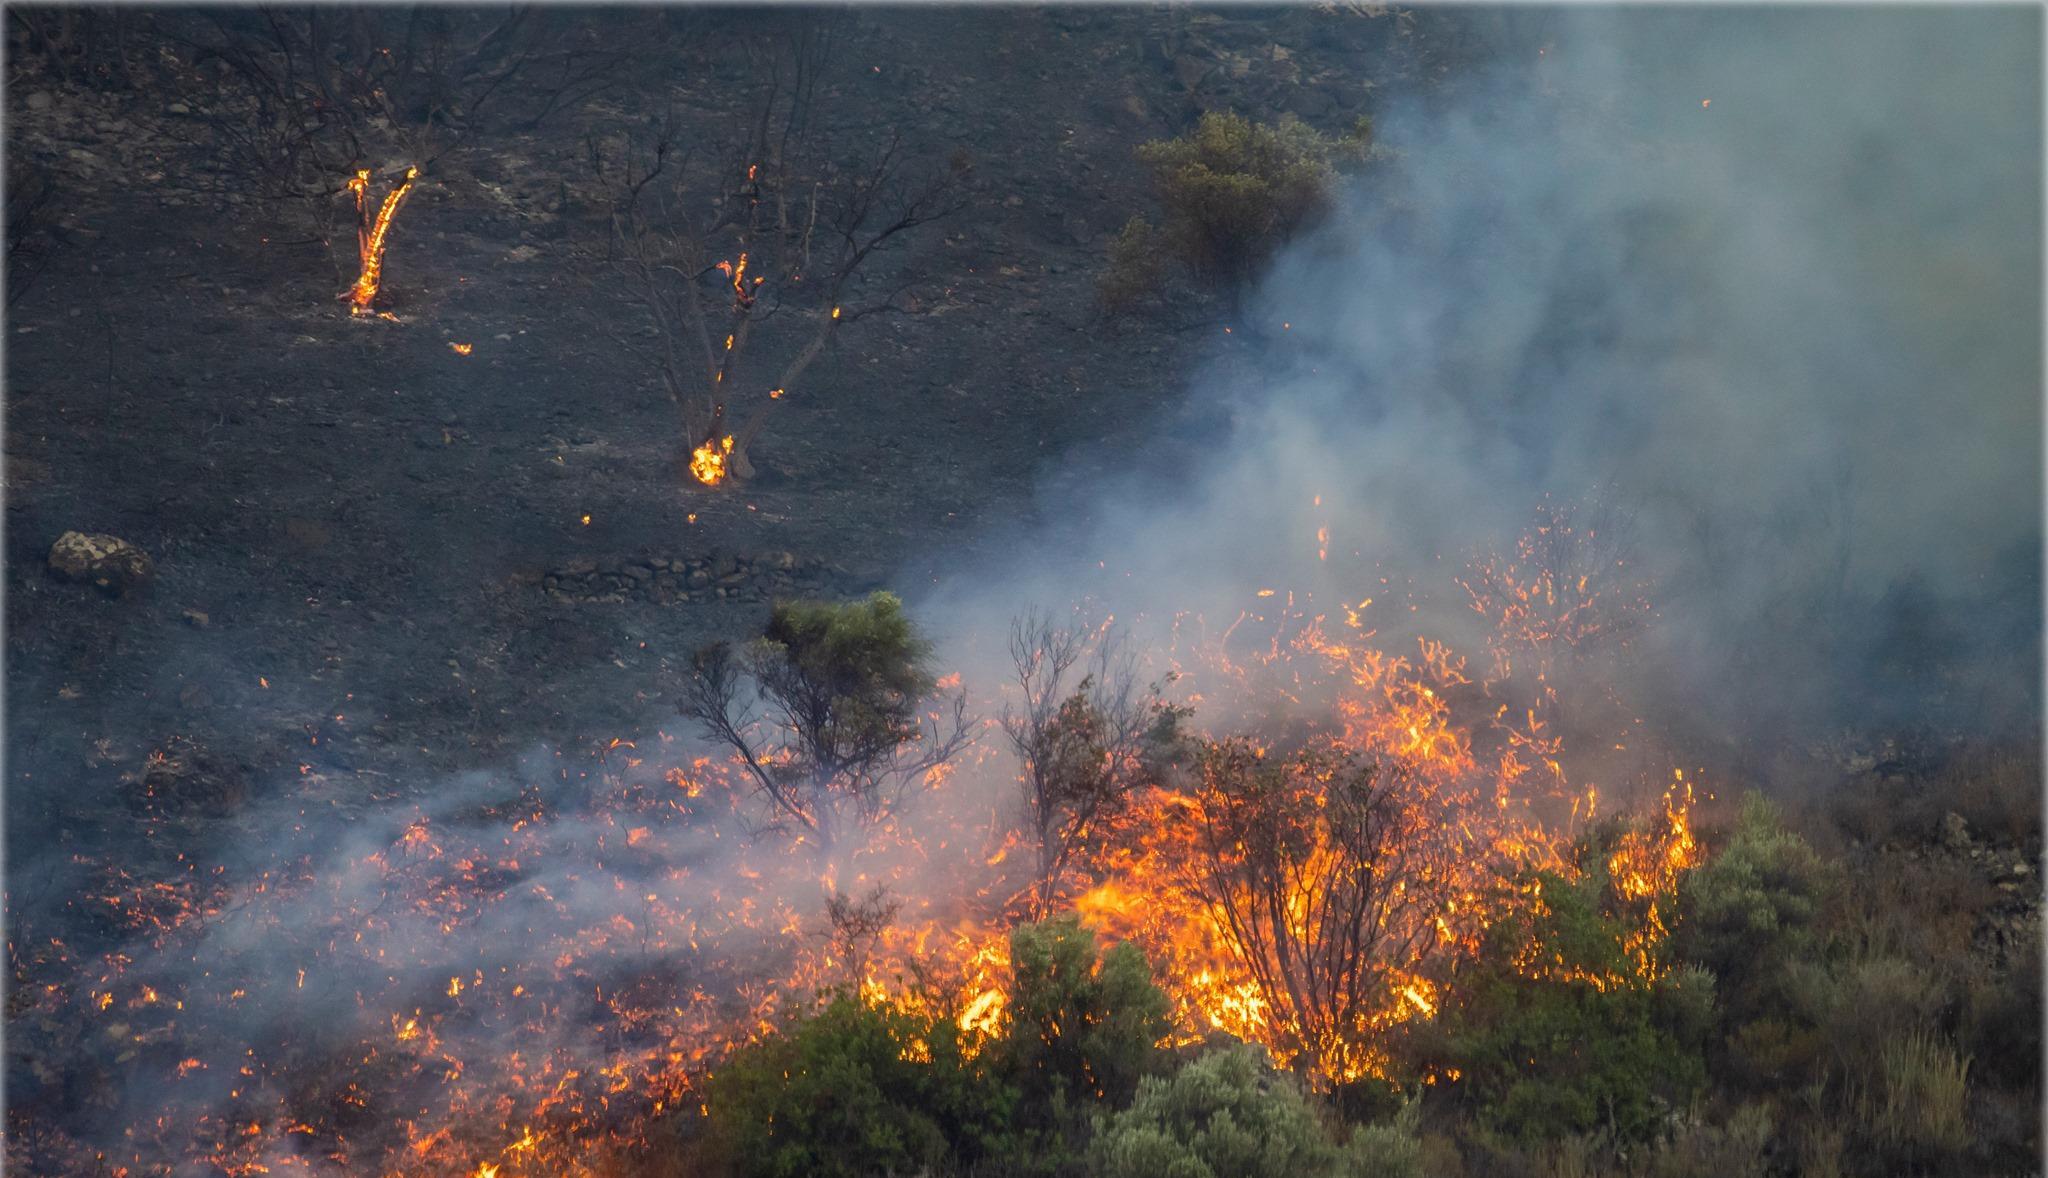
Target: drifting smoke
<point>1762,285</point>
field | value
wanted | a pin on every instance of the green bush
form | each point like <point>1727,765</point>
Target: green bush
<point>1230,192</point>
<point>1858,1004</point>
<point>1078,1027</point>
<point>845,688</point>
<point>1581,1042</point>
<point>857,1090</point>
<point>1229,1115</point>
<point>1753,908</point>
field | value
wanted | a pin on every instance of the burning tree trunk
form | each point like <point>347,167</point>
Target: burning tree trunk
<point>787,233</point>
<point>372,235</point>
<point>1328,883</point>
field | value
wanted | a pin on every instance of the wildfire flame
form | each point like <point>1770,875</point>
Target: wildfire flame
<point>708,461</point>
<point>527,987</point>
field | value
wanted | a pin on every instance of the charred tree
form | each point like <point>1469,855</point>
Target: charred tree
<point>771,240</point>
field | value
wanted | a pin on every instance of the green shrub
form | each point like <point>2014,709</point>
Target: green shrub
<point>1584,1045</point>
<point>1753,908</point>
<point>1136,268</point>
<point>1736,1149</point>
<point>1078,1027</point>
<point>856,1090</point>
<point>1228,1115</point>
<point>1230,192</point>
<point>845,688</point>
<point>1859,1004</point>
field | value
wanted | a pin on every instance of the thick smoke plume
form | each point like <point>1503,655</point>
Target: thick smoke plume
<point>1763,286</point>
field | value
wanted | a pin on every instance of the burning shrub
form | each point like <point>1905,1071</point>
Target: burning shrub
<point>1085,746</point>
<point>845,685</point>
<point>1327,882</point>
<point>1079,1028</point>
<point>1557,1029</point>
<point>1230,193</point>
<point>1228,1113</point>
<point>856,1090</point>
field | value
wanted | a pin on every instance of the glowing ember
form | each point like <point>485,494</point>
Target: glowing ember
<point>461,349</point>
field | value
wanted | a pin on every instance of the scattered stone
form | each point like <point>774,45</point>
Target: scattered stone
<point>109,562</point>
<point>178,108</point>
<point>39,101</point>
<point>199,618</point>
<point>1955,833</point>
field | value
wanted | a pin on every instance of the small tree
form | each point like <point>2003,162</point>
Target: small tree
<point>1230,193</point>
<point>1084,746</point>
<point>845,688</point>
<point>774,235</point>
<point>1754,909</point>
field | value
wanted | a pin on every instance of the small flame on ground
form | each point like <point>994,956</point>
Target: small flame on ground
<point>708,461</point>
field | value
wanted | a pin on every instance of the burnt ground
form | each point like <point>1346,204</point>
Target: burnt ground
<point>373,551</point>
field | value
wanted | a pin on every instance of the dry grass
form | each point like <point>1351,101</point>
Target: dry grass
<point>1922,1095</point>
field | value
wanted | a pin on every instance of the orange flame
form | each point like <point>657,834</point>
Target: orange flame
<point>370,236</point>
<point>708,461</point>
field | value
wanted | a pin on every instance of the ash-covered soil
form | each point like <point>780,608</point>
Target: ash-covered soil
<point>359,533</point>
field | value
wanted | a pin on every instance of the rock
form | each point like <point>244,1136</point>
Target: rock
<point>110,562</point>
<point>39,101</point>
<point>1955,833</point>
<point>178,108</point>
<point>638,572</point>
<point>199,618</point>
